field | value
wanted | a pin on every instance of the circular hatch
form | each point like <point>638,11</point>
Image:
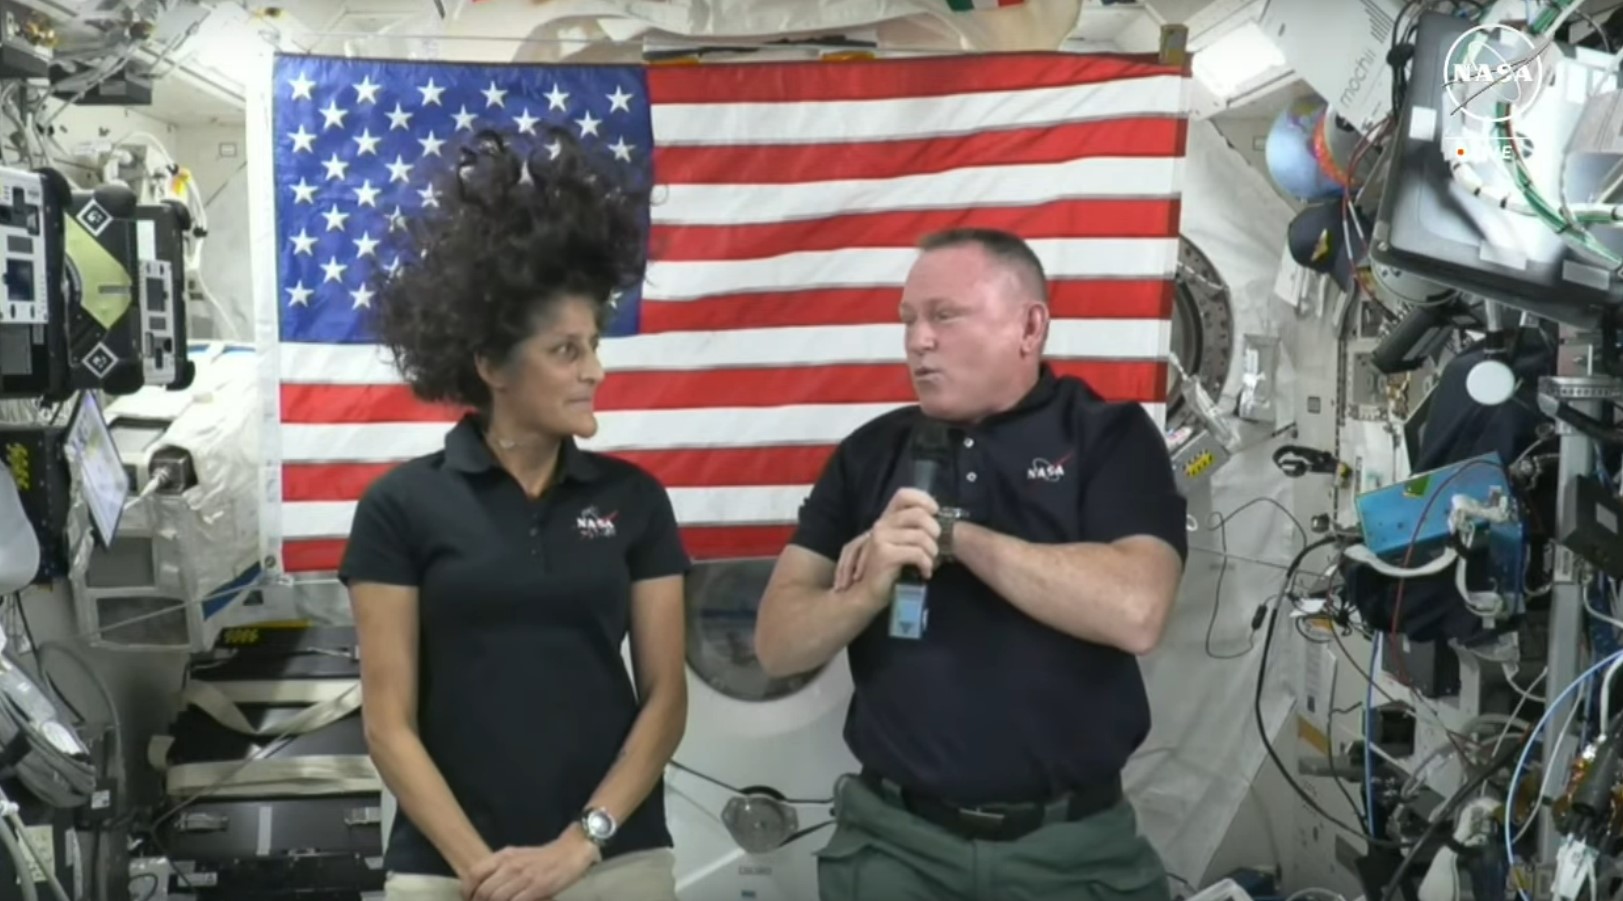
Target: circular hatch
<point>722,599</point>
<point>1202,329</point>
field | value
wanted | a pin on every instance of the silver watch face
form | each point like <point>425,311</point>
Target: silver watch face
<point>599,825</point>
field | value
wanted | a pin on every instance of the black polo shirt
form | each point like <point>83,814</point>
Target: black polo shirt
<point>992,705</point>
<point>523,697</point>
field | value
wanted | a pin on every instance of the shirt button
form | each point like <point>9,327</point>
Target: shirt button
<point>969,442</point>
<point>970,477</point>
<point>534,531</point>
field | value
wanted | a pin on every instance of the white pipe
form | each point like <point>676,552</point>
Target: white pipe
<point>1606,692</point>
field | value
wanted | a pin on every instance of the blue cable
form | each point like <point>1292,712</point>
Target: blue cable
<point>1527,749</point>
<point>1369,731</point>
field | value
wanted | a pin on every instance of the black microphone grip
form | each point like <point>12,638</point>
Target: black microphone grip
<point>924,473</point>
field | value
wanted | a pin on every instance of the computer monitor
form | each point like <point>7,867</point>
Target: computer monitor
<point>92,452</point>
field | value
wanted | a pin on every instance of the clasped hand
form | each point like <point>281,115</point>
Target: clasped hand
<point>904,535</point>
<point>531,874</point>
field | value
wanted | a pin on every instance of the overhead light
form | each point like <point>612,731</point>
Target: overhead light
<point>1237,61</point>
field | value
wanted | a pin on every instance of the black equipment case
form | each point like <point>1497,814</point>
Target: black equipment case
<point>252,824</point>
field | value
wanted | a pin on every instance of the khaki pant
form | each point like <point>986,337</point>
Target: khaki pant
<point>881,852</point>
<point>638,876</point>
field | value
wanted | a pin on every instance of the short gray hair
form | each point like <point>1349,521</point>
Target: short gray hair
<point>1007,249</point>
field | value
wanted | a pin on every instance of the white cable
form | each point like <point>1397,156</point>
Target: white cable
<point>1315,892</point>
<point>1606,690</point>
<point>19,862</point>
<point>1526,693</point>
<point>1548,775</point>
<point>1360,553</point>
<point>1512,721</point>
<point>1589,607</point>
<point>40,857</point>
<point>1486,604</point>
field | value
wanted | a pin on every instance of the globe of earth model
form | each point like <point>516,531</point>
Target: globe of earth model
<point>1298,167</point>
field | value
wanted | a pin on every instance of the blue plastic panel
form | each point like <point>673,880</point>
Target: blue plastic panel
<point>1415,511</point>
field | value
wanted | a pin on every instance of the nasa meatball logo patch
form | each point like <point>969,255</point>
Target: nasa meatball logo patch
<point>591,524</point>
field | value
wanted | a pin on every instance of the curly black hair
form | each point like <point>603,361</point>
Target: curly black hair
<point>519,228</point>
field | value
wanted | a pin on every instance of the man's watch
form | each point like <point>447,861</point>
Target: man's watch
<point>945,517</point>
<point>599,825</point>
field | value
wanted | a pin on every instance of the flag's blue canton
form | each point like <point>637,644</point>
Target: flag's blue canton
<point>361,144</point>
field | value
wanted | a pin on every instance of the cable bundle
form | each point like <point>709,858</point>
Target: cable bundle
<point>45,754</point>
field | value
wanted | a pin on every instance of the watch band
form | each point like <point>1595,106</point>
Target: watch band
<point>946,517</point>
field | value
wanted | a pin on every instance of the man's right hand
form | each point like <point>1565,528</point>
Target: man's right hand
<point>904,535</point>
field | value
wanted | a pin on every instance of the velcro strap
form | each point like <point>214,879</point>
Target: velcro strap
<point>336,774</point>
<point>330,700</point>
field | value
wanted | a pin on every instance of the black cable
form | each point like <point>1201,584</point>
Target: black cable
<point>1397,58</point>
<point>1220,523</point>
<point>1444,817</point>
<point>39,665</point>
<point>1262,728</point>
<point>1330,751</point>
<point>1598,32</point>
<point>738,791</point>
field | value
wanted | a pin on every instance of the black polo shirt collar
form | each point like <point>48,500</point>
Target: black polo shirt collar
<point>1040,395</point>
<point>466,451</point>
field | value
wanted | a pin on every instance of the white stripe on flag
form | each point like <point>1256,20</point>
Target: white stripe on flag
<point>860,267</point>
<point>1068,339</point>
<point>869,267</point>
<point>836,121</point>
<point>718,427</point>
<point>990,186</point>
<point>749,505</point>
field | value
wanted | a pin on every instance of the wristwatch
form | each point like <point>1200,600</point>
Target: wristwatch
<point>599,825</point>
<point>945,517</point>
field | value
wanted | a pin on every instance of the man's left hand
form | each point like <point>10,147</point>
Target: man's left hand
<point>534,874</point>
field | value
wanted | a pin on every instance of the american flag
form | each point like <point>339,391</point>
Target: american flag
<point>789,200</point>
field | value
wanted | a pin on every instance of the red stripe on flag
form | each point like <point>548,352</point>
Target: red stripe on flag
<point>1059,219</point>
<point>794,163</point>
<point>787,83</point>
<point>330,481</point>
<point>722,467</point>
<point>1069,299</point>
<point>879,383</point>
<point>702,543</point>
<point>312,556</point>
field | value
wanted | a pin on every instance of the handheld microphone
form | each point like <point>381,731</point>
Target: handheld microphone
<point>930,453</point>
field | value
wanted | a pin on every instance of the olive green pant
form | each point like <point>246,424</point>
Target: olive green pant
<point>881,852</point>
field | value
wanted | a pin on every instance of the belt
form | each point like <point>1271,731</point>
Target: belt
<point>998,822</point>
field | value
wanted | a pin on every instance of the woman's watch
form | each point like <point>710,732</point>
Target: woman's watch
<point>599,825</point>
<point>945,517</point>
